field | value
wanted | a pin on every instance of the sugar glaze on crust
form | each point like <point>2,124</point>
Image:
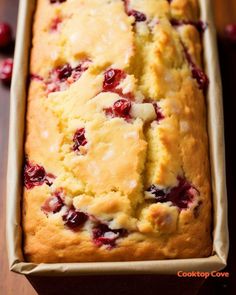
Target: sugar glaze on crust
<point>116,146</point>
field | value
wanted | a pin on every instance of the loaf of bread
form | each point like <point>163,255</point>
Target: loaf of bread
<point>116,154</point>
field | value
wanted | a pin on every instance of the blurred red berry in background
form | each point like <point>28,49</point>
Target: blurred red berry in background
<point>5,35</point>
<point>230,31</point>
<point>6,68</point>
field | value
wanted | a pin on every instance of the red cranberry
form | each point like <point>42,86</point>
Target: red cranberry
<point>181,195</point>
<point>197,73</point>
<point>159,113</point>
<point>112,79</point>
<point>74,219</point>
<point>64,72</point>
<point>55,24</point>
<point>230,31</point>
<point>5,34</point>
<point>199,25</point>
<point>103,235</point>
<point>139,16</point>
<point>79,139</point>
<point>201,77</point>
<point>35,175</point>
<point>59,78</point>
<point>53,204</point>
<point>121,108</point>
<point>6,69</point>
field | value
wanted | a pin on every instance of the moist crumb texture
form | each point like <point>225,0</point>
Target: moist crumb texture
<point>116,153</point>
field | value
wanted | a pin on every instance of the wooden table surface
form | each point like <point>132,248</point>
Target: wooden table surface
<point>11,284</point>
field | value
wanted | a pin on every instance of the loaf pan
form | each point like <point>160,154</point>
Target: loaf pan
<point>16,155</point>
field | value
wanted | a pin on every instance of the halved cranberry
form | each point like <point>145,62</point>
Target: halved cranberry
<point>181,196</point>
<point>103,235</point>
<point>35,175</point>
<point>158,111</point>
<point>121,108</point>
<point>139,16</point>
<point>55,24</point>
<point>6,69</point>
<point>5,34</point>
<point>53,204</point>
<point>74,219</point>
<point>79,139</point>
<point>197,73</point>
<point>230,31</point>
<point>112,79</point>
<point>199,25</point>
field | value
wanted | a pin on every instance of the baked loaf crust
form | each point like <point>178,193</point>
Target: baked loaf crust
<point>116,145</point>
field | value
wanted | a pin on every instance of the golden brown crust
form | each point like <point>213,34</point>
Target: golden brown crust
<point>108,178</point>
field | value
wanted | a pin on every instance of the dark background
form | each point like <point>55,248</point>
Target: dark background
<point>11,284</point>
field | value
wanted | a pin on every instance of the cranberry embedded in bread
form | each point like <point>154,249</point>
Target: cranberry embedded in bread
<point>103,235</point>
<point>181,195</point>
<point>35,175</point>
<point>74,219</point>
<point>53,204</point>
<point>112,79</point>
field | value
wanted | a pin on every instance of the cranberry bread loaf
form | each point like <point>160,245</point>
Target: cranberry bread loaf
<point>116,145</point>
